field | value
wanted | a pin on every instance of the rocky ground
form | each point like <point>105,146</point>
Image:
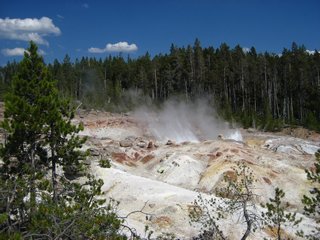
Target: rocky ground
<point>163,178</point>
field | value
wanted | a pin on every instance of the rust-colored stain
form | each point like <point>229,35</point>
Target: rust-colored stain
<point>234,150</point>
<point>249,162</point>
<point>150,144</point>
<point>273,174</point>
<point>99,122</point>
<point>230,176</point>
<point>272,232</point>
<point>136,155</point>
<point>218,154</point>
<point>147,158</point>
<point>267,180</point>
<point>163,221</point>
<point>120,157</point>
<point>212,156</point>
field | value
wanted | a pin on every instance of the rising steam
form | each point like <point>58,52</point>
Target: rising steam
<point>180,122</point>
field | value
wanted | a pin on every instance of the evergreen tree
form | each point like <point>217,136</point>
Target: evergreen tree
<point>312,202</point>
<point>262,90</point>
<point>36,202</point>
<point>276,218</point>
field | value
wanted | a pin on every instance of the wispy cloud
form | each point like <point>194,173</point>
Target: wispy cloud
<point>116,47</point>
<point>13,52</point>
<point>28,29</point>
<point>60,16</point>
<point>41,52</point>
<point>85,5</point>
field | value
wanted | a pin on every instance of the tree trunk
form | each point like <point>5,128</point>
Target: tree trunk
<point>284,112</point>
<point>32,183</point>
<point>318,72</point>
<point>186,88</point>
<point>279,231</point>
<point>255,96</point>
<point>291,108</point>
<point>301,95</point>
<point>54,176</point>
<point>243,89</point>
<point>53,164</point>
<point>248,221</point>
<point>225,85</point>
<point>156,84</point>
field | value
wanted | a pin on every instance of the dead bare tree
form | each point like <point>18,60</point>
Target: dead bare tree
<point>240,199</point>
<point>237,198</point>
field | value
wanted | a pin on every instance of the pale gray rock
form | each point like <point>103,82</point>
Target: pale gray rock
<point>126,143</point>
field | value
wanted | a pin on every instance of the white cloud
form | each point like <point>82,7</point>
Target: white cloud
<point>116,47</point>
<point>13,52</point>
<point>245,49</point>
<point>28,29</point>
<point>18,52</point>
<point>310,52</point>
<point>96,50</point>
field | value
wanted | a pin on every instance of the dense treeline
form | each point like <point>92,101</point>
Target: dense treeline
<point>257,89</point>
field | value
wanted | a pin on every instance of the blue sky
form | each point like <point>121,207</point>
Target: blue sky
<point>84,28</point>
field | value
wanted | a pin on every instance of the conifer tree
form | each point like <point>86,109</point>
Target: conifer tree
<point>37,203</point>
<point>276,218</point>
<point>312,202</point>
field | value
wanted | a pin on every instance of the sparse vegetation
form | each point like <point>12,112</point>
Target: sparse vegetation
<point>104,163</point>
<point>276,218</point>
<point>207,213</point>
<point>312,202</point>
<point>237,198</point>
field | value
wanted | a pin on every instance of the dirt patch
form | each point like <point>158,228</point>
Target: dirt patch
<point>272,232</point>
<point>131,164</point>
<point>90,124</point>
<point>163,221</point>
<point>230,176</point>
<point>273,174</point>
<point>249,162</point>
<point>211,158</point>
<point>218,154</point>
<point>147,159</point>
<point>267,180</point>
<point>235,151</point>
<point>255,142</point>
<point>136,155</point>
<point>120,157</point>
<point>297,132</point>
<point>194,211</point>
<point>100,122</point>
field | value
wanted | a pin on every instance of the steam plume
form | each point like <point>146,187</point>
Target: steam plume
<point>181,122</point>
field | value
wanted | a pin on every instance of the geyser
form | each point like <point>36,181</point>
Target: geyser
<point>180,122</point>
